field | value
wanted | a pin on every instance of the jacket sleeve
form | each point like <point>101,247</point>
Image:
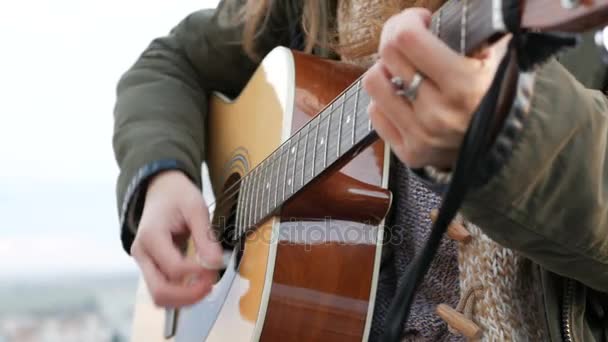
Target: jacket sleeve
<point>550,201</point>
<point>159,116</point>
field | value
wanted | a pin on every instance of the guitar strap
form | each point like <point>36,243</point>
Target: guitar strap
<point>527,50</point>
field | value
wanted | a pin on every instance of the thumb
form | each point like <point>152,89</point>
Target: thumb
<point>208,249</point>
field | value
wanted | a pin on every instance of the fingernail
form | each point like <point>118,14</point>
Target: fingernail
<point>209,265</point>
<point>191,280</point>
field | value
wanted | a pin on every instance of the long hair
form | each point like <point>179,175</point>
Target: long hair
<point>313,25</point>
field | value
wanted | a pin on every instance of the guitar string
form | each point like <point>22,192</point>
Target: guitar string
<point>282,152</point>
<point>226,198</point>
<point>244,230</point>
<point>333,146</point>
<point>292,139</point>
<point>358,129</point>
<point>241,226</point>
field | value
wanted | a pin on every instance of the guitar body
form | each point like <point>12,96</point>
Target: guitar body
<point>299,276</point>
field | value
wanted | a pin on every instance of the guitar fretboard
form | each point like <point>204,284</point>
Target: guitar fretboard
<point>344,125</point>
<point>310,151</point>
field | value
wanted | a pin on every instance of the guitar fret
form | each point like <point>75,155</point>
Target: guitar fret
<point>340,125</point>
<point>257,194</point>
<point>320,145</point>
<point>304,158</point>
<point>362,131</point>
<point>463,27</point>
<point>295,162</point>
<point>331,110</point>
<point>312,142</point>
<point>451,35</point>
<point>246,202</point>
<point>250,184</point>
<point>301,161</point>
<point>286,167</point>
<point>276,191</point>
<point>355,112</point>
<point>266,189</point>
<point>261,186</point>
<point>273,161</point>
<point>239,210</point>
<point>345,138</point>
<point>237,219</point>
<point>314,148</point>
<point>251,196</point>
<point>438,27</point>
<point>260,194</point>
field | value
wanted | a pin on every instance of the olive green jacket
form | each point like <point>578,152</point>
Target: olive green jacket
<point>549,202</point>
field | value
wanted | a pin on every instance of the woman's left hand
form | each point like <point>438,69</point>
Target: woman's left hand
<point>429,129</point>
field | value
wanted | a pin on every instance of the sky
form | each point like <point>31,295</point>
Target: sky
<point>59,64</point>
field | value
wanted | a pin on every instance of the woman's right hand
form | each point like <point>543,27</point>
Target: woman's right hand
<point>174,210</point>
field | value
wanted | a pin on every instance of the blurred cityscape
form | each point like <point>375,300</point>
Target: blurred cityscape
<point>70,309</point>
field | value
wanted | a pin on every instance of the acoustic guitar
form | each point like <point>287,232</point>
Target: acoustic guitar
<point>301,181</point>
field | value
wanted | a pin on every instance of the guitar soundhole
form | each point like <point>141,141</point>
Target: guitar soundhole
<point>224,217</point>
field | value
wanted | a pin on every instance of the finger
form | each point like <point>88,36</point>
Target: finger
<point>426,108</point>
<point>442,128</point>
<point>393,26</point>
<point>396,109</point>
<point>171,262</point>
<point>493,55</point>
<point>397,64</point>
<point>383,126</point>
<point>166,294</point>
<point>428,54</point>
<point>399,110</point>
<point>407,150</point>
<point>208,249</point>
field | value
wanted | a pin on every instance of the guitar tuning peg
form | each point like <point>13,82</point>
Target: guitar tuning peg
<point>601,40</point>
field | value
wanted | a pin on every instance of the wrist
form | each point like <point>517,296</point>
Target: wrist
<point>161,179</point>
<point>134,196</point>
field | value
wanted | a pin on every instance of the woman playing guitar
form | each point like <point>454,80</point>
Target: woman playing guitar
<point>528,259</point>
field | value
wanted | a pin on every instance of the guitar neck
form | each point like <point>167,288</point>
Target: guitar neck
<point>335,133</point>
<point>343,128</point>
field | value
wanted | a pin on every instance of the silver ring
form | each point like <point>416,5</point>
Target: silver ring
<point>411,91</point>
<point>397,82</point>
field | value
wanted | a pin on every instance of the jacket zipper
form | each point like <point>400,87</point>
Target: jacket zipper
<point>566,310</point>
